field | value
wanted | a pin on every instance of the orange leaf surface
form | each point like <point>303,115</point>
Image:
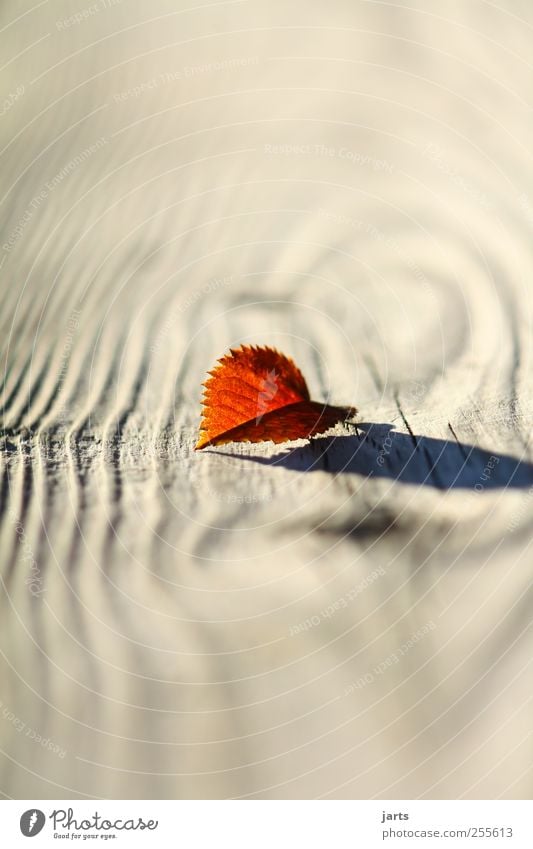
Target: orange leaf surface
<point>257,394</point>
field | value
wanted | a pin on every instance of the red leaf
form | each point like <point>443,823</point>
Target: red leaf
<point>257,394</point>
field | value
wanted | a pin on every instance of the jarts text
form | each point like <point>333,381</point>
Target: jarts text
<point>386,817</point>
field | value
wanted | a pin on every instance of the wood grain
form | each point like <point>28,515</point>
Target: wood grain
<point>346,617</point>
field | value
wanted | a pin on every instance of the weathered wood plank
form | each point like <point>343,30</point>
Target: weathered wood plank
<point>348,617</point>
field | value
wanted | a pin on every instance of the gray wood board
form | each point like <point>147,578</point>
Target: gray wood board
<point>347,617</point>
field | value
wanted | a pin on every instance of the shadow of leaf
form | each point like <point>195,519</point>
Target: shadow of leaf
<point>380,451</point>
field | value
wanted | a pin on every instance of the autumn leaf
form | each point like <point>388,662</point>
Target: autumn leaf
<point>257,394</point>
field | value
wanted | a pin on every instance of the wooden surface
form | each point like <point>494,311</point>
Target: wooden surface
<point>351,182</point>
